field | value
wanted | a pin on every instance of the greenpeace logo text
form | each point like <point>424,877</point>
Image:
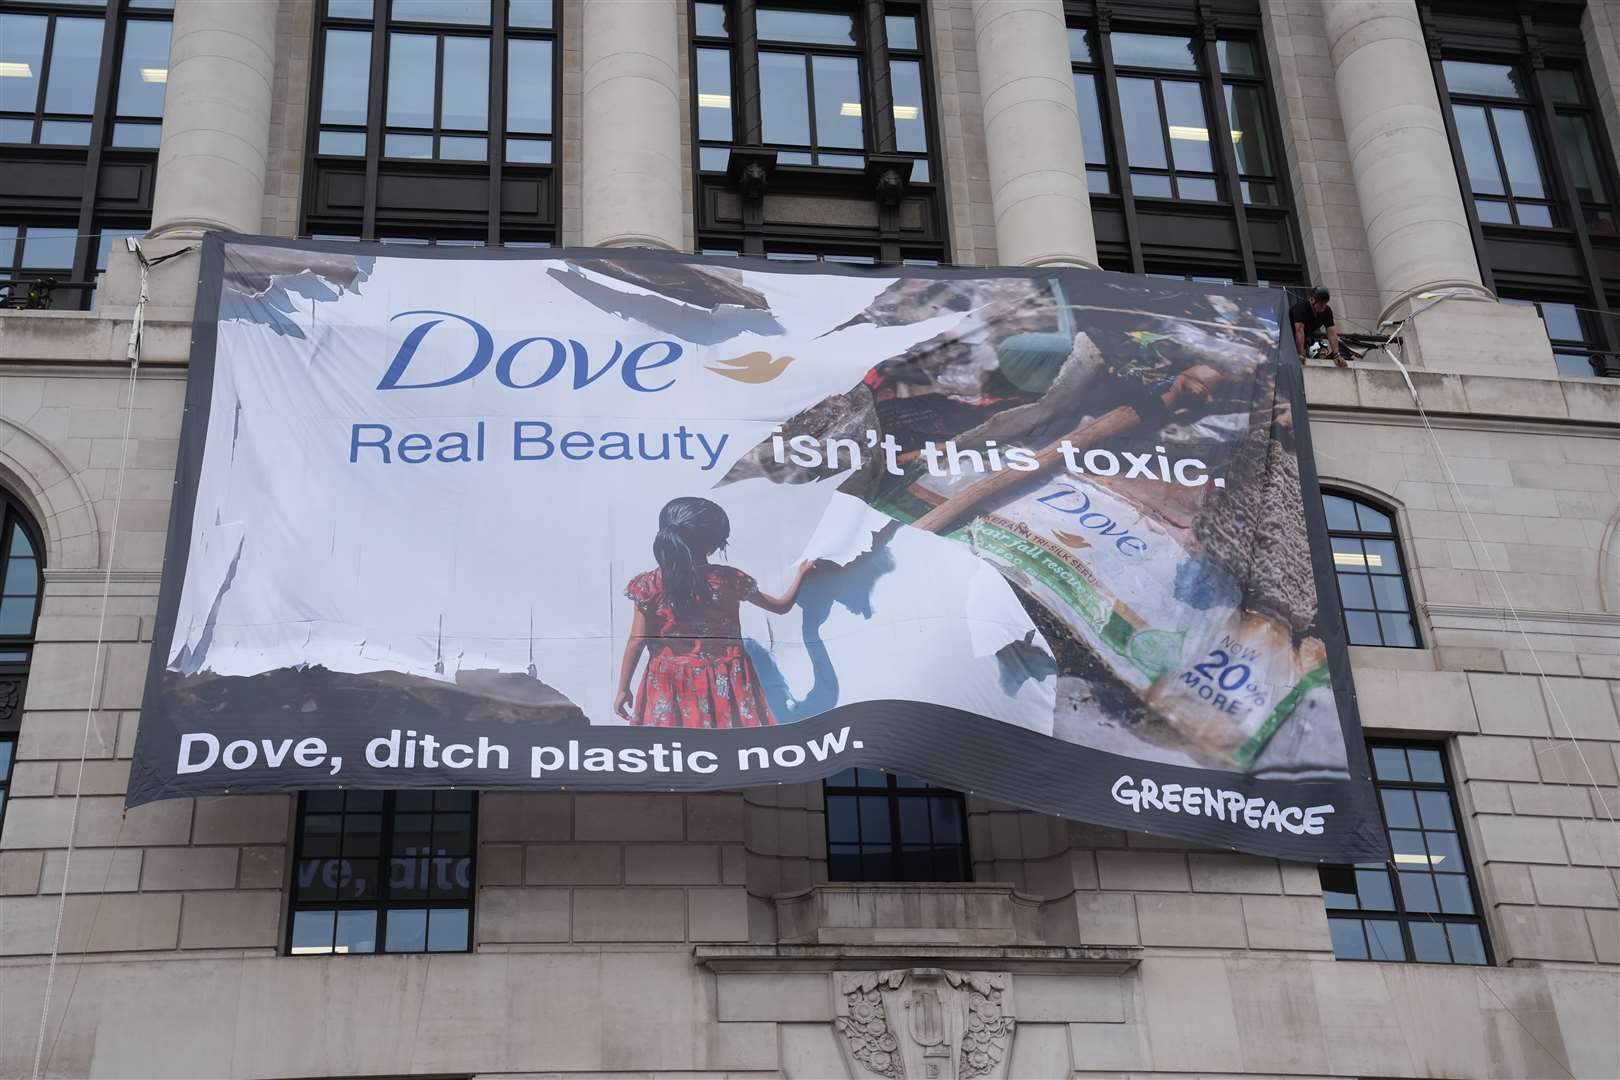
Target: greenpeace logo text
<point>1255,812</point>
<point>530,362</point>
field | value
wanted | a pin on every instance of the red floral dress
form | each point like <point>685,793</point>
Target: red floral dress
<point>698,673</point>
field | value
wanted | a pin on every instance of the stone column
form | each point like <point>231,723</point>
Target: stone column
<point>1032,134</point>
<point>631,124</point>
<point>216,117</point>
<point>1417,228</point>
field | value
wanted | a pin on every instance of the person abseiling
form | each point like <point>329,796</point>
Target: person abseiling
<point>1310,317</point>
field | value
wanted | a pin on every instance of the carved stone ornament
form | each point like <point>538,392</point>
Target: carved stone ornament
<point>925,1023</point>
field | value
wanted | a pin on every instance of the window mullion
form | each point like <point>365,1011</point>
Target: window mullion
<point>891,791</point>
<point>1108,92</point>
<point>495,136</point>
<point>1575,212</point>
<point>880,135</point>
<point>809,59</point>
<point>1164,137</point>
<point>374,119</point>
<point>745,31</point>
<point>1227,156</point>
<point>84,251</point>
<point>385,861</point>
<point>46,50</point>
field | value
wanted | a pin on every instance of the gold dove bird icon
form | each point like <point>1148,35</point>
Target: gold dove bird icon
<point>754,367</point>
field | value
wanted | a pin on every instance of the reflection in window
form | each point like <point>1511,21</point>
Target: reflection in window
<point>1421,906</point>
<point>1372,576</point>
<point>884,827</point>
<point>383,872</point>
<point>1573,333</point>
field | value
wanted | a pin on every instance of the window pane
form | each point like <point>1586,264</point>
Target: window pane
<point>356,932</point>
<point>910,132</point>
<point>146,136</point>
<point>842,826</point>
<point>711,20</point>
<point>528,152</point>
<point>1155,51</point>
<point>874,819</point>
<point>1445,853</point>
<point>411,84</point>
<point>1384,940</point>
<point>714,94</point>
<point>809,27</point>
<point>465,104</point>
<point>1381,556</point>
<point>1417,893</point>
<point>6,747</point>
<point>75,65</point>
<point>528,86</point>
<point>16,615</point>
<point>1362,628</point>
<point>1426,767</point>
<point>1196,189</point>
<point>1372,889</point>
<point>1563,86</point>
<point>1244,111</point>
<point>947,821</point>
<point>1400,809</point>
<point>1338,887</point>
<point>530,14</point>
<point>349,9</point>
<point>1575,137</point>
<point>15,131</point>
<point>1484,177</point>
<point>144,73</point>
<point>48,249</point>
<point>1372,520</point>
<point>1494,213</point>
<point>22,50</point>
<point>1398,630</point>
<point>447,930</point>
<point>838,102</point>
<point>1354,591</point>
<point>346,80</point>
<point>1080,46</point>
<point>64,132</point>
<point>348,143</point>
<point>1349,940</point>
<point>22,577</point>
<point>1237,58</point>
<point>1144,135</point>
<point>1519,153</point>
<point>407,931</point>
<point>1434,807</point>
<point>1340,512</point>
<point>312,931</point>
<point>784,100</point>
<point>469,12</point>
<point>1189,129</point>
<point>1429,943</point>
<point>1091,127</point>
<point>901,31</point>
<point>1453,890</point>
<point>1563,321</point>
<point>1490,80</point>
<point>1467,946</point>
<point>1389,763</point>
<point>1534,214</point>
<point>461,148</point>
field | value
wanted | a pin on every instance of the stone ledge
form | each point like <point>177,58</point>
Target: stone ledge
<point>1517,397</point>
<point>904,914</point>
<point>1044,959</point>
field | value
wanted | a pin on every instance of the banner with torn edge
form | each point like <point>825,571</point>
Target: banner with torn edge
<point>620,520</point>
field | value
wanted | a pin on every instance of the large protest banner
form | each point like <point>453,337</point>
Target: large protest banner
<point>631,521</point>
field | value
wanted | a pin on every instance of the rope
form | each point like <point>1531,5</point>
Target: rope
<point>134,354</point>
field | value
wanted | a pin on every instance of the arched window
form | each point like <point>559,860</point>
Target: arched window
<point>1372,575</point>
<point>21,556</point>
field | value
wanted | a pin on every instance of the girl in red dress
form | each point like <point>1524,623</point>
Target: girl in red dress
<point>687,617</point>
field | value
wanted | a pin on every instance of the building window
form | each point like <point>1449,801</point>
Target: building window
<point>884,827</point>
<point>828,103</point>
<point>434,119</point>
<point>1423,905</point>
<point>81,109</point>
<point>1180,141</point>
<point>21,582</point>
<point>1533,161</point>
<point>381,871</point>
<point>1372,575</point>
<point>1575,334</point>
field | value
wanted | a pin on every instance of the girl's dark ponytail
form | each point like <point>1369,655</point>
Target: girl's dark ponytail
<point>689,530</point>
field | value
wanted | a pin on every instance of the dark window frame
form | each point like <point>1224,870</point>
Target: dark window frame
<point>1534,38</point>
<point>1206,26</point>
<point>89,213</point>
<point>1393,537</point>
<point>16,650</point>
<point>874,57</point>
<point>1400,913</point>
<point>494,226</point>
<point>383,902</point>
<point>892,792</point>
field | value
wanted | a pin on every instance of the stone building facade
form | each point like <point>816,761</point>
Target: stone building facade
<point>716,935</point>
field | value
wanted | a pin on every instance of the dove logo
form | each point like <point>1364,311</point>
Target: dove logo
<point>528,362</point>
<point>754,367</point>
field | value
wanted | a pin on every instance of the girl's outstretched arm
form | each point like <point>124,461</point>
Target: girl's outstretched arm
<point>779,605</point>
<point>623,702</point>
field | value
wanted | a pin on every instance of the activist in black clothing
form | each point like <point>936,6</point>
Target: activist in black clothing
<point>1311,316</point>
